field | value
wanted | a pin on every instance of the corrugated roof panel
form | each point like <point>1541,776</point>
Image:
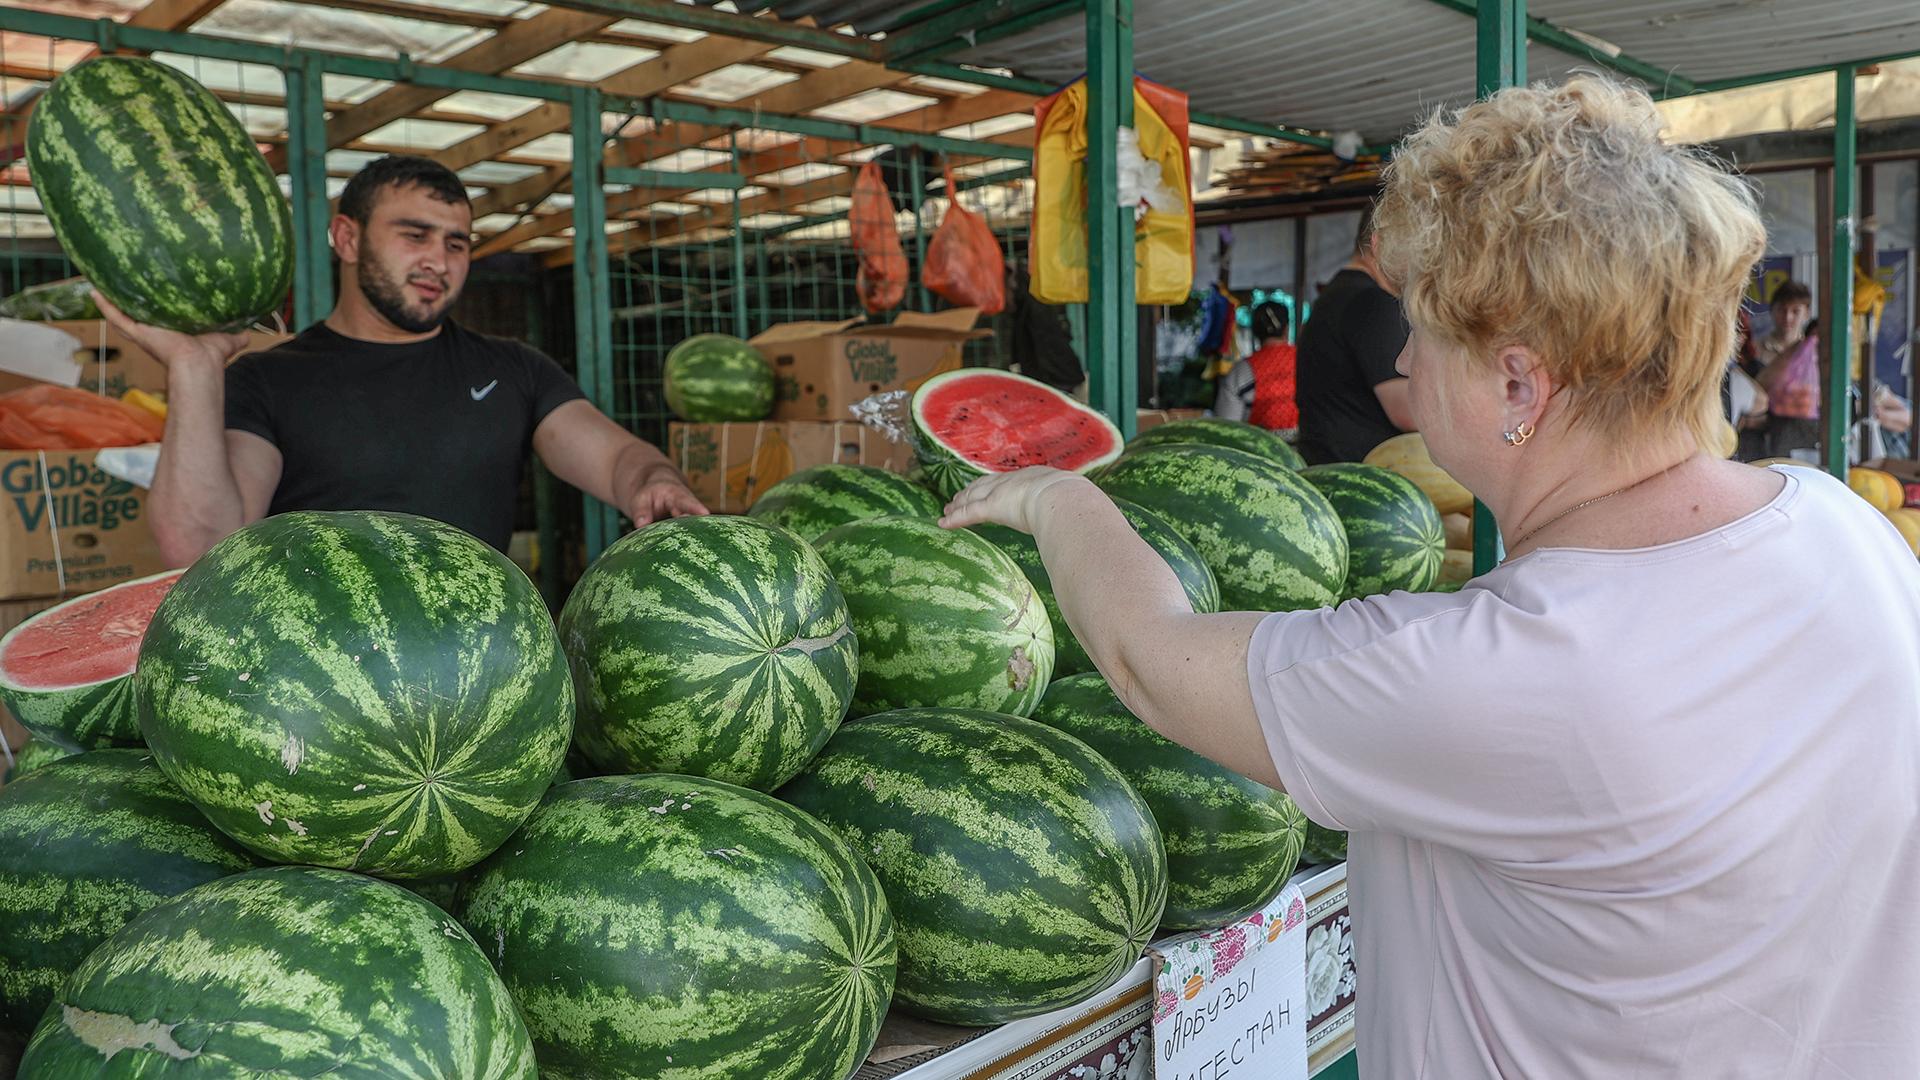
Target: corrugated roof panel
<point>1715,39</point>
<point>872,105</point>
<point>497,172</point>
<point>796,55</point>
<point>734,82</point>
<point>557,147</point>
<point>585,61</point>
<point>281,23</point>
<point>423,134</point>
<point>657,30</point>
<point>491,106</point>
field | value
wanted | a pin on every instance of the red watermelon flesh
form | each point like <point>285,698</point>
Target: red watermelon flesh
<point>87,640</point>
<point>997,421</point>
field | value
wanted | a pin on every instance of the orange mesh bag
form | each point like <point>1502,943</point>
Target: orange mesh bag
<point>882,280</point>
<point>964,264</point>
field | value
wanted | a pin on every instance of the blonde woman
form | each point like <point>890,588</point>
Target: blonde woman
<point>1615,812</point>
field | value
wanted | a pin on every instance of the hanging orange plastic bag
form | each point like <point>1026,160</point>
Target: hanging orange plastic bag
<point>882,280</point>
<point>1163,236</point>
<point>964,265</point>
<point>61,418</point>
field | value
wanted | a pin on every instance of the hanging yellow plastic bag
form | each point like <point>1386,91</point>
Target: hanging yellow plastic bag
<point>1163,236</point>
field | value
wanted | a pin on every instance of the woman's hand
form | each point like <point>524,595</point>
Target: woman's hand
<point>1011,499</point>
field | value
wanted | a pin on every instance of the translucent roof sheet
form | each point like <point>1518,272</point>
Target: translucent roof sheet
<point>948,86</point>
<point>492,106</point>
<point>688,160</point>
<point>987,129</point>
<point>281,23</point>
<point>557,147</point>
<point>833,204</point>
<point>422,134</point>
<point>721,195</point>
<point>497,172</point>
<point>872,105</point>
<point>768,221</point>
<point>795,55</point>
<point>585,61</point>
<point>657,30</point>
<point>734,82</point>
<point>493,223</point>
<point>801,174</point>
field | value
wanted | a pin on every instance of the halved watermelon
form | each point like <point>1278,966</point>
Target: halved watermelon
<point>979,420</point>
<point>65,672</point>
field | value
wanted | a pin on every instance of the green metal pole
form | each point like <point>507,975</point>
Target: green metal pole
<point>1112,357</point>
<point>917,195</point>
<point>1837,312</point>
<point>1501,61</point>
<point>739,249</point>
<point>592,303</point>
<point>307,168</point>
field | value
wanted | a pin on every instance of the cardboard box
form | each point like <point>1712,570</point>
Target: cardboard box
<point>1111,1034</point>
<point>112,364</point>
<point>729,465</point>
<point>820,369</point>
<point>66,527</point>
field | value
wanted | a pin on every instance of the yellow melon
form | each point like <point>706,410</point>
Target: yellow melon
<point>1459,529</point>
<point>1456,567</point>
<point>1907,520</point>
<point>1407,455</point>
<point>1877,487</point>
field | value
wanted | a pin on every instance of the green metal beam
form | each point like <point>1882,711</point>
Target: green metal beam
<point>979,23</point>
<point>592,299</point>
<point>867,134</point>
<point>312,213</point>
<point>1554,37</point>
<point>670,178</point>
<point>739,244</point>
<point>1836,323</point>
<point>1500,56</point>
<point>1113,360</point>
<point>1794,73</point>
<point>726,24</point>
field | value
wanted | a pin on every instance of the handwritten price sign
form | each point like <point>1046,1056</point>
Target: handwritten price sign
<point>1233,1002</point>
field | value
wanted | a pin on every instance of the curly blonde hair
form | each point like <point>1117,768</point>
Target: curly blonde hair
<point>1556,218</point>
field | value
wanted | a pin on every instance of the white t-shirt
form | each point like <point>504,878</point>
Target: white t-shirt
<point>1627,814</point>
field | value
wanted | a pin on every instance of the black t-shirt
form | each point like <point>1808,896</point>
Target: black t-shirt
<point>1347,347</point>
<point>439,428</point>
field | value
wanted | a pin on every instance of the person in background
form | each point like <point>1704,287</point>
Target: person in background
<point>386,404</point>
<point>1351,398</point>
<point>1259,389</point>
<point>1789,362</point>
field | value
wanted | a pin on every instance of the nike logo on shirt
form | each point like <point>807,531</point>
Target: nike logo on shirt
<point>479,392</point>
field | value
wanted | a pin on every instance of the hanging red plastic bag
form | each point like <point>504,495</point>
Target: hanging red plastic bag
<point>882,280</point>
<point>964,265</point>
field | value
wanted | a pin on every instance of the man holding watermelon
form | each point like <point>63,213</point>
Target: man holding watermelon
<point>1612,811</point>
<point>387,404</point>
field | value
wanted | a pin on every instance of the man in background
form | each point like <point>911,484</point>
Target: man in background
<point>1351,397</point>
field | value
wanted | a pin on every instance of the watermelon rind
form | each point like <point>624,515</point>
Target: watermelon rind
<point>1070,657</point>
<point>1217,431</point>
<point>1024,872</point>
<point>1395,539</point>
<point>716,646</point>
<point>948,471</point>
<point>824,497</point>
<point>83,716</point>
<point>287,971</point>
<point>159,196</point>
<point>1231,842</point>
<point>1273,542</point>
<point>364,690</point>
<point>671,926</point>
<point>87,843</point>
<point>714,378</point>
<point>943,618</point>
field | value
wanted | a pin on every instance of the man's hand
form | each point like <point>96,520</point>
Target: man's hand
<point>663,494</point>
<point>1011,499</point>
<point>172,347</point>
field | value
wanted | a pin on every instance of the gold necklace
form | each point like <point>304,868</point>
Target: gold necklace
<point>1535,531</point>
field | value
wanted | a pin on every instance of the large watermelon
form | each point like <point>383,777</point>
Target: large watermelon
<point>87,843</point>
<point>1272,540</point>
<point>1023,871</point>
<point>67,673</point>
<point>159,196</point>
<point>717,377</point>
<point>1394,535</point>
<point>667,926</point>
<point>943,617</point>
<point>283,972</point>
<point>32,756</point>
<point>1231,842</point>
<point>979,420</point>
<point>717,646</point>
<point>1214,431</point>
<point>824,497</point>
<point>371,691</point>
<point>1324,845</point>
<point>1070,657</point>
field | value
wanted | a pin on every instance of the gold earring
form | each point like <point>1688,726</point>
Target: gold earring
<point>1519,435</point>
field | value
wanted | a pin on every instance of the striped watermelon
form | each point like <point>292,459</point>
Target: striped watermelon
<point>1215,431</point>
<point>36,753</point>
<point>718,646</point>
<point>974,421</point>
<point>67,673</point>
<point>1231,842</point>
<point>824,497</point>
<point>717,377</point>
<point>667,926</point>
<point>86,843</point>
<point>943,478</point>
<point>1025,874</point>
<point>372,691</point>
<point>1070,657</point>
<point>159,196</point>
<point>288,971</point>
<point>1272,540</point>
<point>943,617</point>
<point>1394,535</point>
<point>1324,845</point>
